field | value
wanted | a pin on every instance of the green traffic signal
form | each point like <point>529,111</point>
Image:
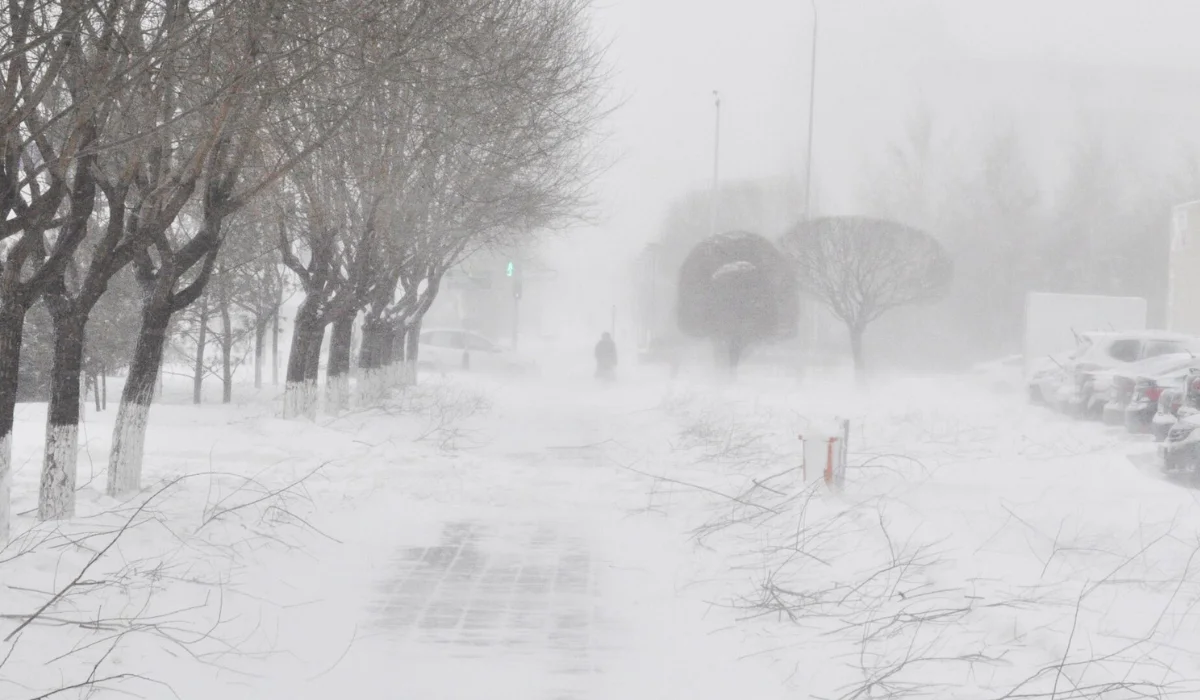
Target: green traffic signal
<point>509,272</point>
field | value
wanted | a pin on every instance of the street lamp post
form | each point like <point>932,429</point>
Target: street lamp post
<point>811,312</point>
<point>716,163</point>
<point>812,100</point>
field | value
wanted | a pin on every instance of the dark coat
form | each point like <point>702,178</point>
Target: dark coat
<point>606,354</point>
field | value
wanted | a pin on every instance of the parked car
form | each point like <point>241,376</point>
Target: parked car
<point>1175,403</point>
<point>1167,414</point>
<point>449,349</point>
<point>1179,454</point>
<point>1171,372</point>
<point>1046,376</point>
<point>1119,396</point>
<point>1097,351</point>
<point>1139,383</point>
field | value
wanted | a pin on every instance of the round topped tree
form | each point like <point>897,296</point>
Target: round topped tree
<point>737,289</point>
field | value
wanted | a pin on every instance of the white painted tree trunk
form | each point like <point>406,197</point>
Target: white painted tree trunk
<point>408,375</point>
<point>129,443</point>
<point>5,486</point>
<point>300,400</point>
<point>371,386</point>
<point>56,500</point>
<point>337,394</point>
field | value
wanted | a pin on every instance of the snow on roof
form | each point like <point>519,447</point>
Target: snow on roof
<point>1139,334</point>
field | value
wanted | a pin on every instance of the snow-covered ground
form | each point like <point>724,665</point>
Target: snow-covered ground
<point>552,538</point>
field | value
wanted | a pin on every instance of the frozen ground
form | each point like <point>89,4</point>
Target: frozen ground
<point>553,539</point>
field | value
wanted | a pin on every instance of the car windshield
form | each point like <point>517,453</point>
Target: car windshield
<point>1163,363</point>
<point>475,342</point>
<point>1164,347</point>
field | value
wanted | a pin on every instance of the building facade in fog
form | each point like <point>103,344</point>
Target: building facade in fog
<point>503,295</point>
<point>1183,270</point>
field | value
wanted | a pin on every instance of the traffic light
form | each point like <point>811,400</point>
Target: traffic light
<point>510,269</point>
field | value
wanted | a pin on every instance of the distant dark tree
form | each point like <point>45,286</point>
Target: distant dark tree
<point>737,289</point>
<point>109,337</point>
<point>861,267</point>
<point>111,334</point>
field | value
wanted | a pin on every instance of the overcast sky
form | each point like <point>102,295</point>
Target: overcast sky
<point>878,60</point>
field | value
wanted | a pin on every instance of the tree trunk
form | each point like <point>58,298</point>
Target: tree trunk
<point>370,361</point>
<point>129,433</point>
<point>390,359</point>
<point>275,347</point>
<point>104,385</point>
<point>736,348</point>
<point>856,351</point>
<point>82,395</point>
<point>95,381</point>
<point>56,497</point>
<point>260,350</point>
<point>201,346</point>
<point>366,362</point>
<point>412,337</point>
<point>337,380</point>
<point>300,393</point>
<point>226,353</point>
<point>12,322</point>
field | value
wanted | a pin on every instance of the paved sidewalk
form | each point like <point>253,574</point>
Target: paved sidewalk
<point>542,581</point>
<point>493,590</point>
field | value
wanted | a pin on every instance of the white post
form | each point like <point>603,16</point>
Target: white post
<point>825,452</point>
<point>816,454</point>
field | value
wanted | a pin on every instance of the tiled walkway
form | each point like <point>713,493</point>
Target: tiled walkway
<point>486,590</point>
<point>542,579</point>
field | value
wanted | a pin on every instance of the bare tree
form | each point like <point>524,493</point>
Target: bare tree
<point>907,185</point>
<point>35,46</point>
<point>335,209</point>
<point>334,219</point>
<point>496,146</point>
<point>147,171</point>
<point>521,165</point>
<point>235,310</point>
<point>298,67</point>
<point>995,227</point>
<point>68,68</point>
<point>862,267</point>
<point>260,281</point>
<point>110,334</point>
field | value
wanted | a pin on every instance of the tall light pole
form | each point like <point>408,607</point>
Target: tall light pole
<point>814,324</point>
<point>812,101</point>
<point>716,162</point>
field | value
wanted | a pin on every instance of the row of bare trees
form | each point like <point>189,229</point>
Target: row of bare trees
<point>1091,217</point>
<point>367,146</point>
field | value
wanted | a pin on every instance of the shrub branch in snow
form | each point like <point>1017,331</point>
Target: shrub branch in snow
<point>447,408</point>
<point>868,601</point>
<point>178,596</point>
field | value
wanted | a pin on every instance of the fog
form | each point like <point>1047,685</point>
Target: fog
<point>384,349</point>
<point>1114,79</point>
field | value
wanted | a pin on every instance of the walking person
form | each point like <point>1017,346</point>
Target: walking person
<point>606,358</point>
